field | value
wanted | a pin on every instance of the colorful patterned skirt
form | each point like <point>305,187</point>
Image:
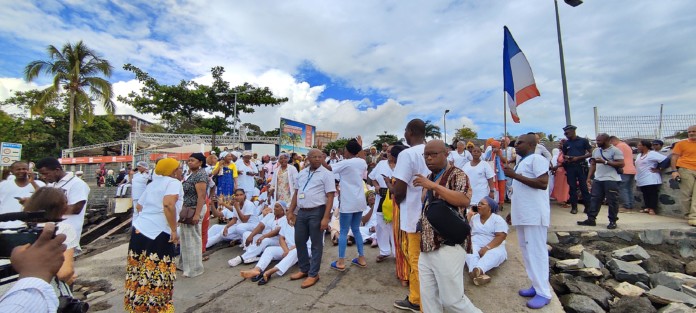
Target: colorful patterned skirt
<point>400,242</point>
<point>150,274</point>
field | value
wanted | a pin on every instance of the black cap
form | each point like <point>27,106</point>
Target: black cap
<point>570,127</point>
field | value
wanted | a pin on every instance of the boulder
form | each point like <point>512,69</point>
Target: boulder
<point>642,286</point>
<point>632,253</point>
<point>589,234</point>
<point>664,295</point>
<point>672,280</point>
<point>689,290</point>
<point>552,238</point>
<point>691,268</point>
<point>596,293</point>
<point>95,294</point>
<point>676,308</point>
<point>576,250</point>
<point>624,271</point>
<point>588,272</point>
<point>651,236</point>
<point>552,262</point>
<point>590,260</point>
<point>559,282</point>
<point>570,264</point>
<point>625,289</point>
<point>573,303</point>
<point>633,305</point>
<point>662,262</point>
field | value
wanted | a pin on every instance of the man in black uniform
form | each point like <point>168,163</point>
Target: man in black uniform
<point>576,150</point>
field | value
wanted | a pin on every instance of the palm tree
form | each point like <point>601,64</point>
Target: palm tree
<point>75,70</point>
<point>432,130</point>
<point>551,137</point>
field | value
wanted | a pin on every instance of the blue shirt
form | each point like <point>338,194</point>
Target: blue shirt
<point>576,147</point>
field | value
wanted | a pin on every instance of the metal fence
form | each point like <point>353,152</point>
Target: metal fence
<point>663,127</point>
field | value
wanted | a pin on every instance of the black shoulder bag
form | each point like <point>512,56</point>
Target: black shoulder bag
<point>445,218</point>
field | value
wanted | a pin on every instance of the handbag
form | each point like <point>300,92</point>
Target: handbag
<point>186,215</point>
<point>446,219</point>
<point>387,205</point>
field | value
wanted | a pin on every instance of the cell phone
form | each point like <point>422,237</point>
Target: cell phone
<point>474,208</point>
<point>18,198</point>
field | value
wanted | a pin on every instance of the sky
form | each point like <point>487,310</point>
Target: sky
<point>366,67</point>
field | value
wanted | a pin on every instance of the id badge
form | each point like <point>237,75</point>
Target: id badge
<point>300,196</point>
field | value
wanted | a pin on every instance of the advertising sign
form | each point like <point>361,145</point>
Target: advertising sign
<point>296,137</point>
<point>10,153</point>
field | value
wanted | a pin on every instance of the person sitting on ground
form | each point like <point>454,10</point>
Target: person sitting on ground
<point>263,236</point>
<point>369,221</point>
<point>53,201</point>
<point>224,216</point>
<point>110,179</point>
<point>488,233</point>
<point>246,217</point>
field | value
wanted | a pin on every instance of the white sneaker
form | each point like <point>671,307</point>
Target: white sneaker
<point>252,260</point>
<point>235,261</point>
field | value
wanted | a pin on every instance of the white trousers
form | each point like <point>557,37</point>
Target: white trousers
<point>385,236</point>
<point>532,241</point>
<point>366,234</point>
<point>270,254</point>
<point>492,259</point>
<point>441,281</point>
<point>254,250</point>
<point>235,232</point>
<point>122,190</point>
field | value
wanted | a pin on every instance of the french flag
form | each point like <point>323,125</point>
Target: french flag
<point>517,74</point>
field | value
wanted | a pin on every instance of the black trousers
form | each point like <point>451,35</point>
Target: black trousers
<point>577,177</point>
<point>650,194</point>
<point>604,189</point>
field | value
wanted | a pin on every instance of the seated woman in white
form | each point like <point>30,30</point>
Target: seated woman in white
<point>369,221</point>
<point>245,218</point>
<point>488,233</point>
<point>215,231</point>
<point>264,235</point>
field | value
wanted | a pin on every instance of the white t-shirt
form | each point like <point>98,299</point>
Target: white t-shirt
<point>8,204</point>
<point>644,164</point>
<point>249,208</point>
<point>530,206</point>
<point>245,181</point>
<point>352,192</point>
<point>76,190</point>
<point>270,223</point>
<point>382,168</point>
<point>151,220</point>
<point>482,234</point>
<point>478,178</point>
<point>410,163</point>
<point>373,219</point>
<point>459,159</point>
<point>138,185</point>
<point>288,232</point>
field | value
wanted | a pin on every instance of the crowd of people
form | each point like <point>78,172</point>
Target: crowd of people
<point>435,209</point>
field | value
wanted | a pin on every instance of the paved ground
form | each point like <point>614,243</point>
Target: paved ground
<point>371,289</point>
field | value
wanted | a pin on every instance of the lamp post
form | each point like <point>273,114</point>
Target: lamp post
<point>234,123</point>
<point>444,123</point>
<point>566,103</point>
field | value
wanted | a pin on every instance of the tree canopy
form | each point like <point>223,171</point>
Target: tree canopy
<point>465,133</point>
<point>388,138</point>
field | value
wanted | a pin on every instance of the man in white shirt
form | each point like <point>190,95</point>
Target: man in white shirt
<point>409,164</point>
<point>76,190</point>
<point>13,193</point>
<point>459,157</point>
<point>531,215</point>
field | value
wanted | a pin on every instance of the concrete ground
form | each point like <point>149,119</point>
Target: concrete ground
<point>371,289</point>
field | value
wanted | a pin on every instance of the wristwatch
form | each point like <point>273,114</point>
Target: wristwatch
<point>606,162</point>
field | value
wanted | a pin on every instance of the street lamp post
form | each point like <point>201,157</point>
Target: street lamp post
<point>566,103</point>
<point>234,113</point>
<point>444,123</point>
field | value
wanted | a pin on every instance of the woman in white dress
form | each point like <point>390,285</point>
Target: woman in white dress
<point>488,233</point>
<point>648,175</point>
<point>480,176</point>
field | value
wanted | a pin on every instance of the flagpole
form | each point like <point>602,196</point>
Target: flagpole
<point>504,114</point>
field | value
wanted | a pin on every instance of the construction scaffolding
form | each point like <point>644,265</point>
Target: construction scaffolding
<point>663,127</point>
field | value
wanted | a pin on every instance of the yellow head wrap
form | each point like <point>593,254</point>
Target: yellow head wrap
<point>469,144</point>
<point>166,167</point>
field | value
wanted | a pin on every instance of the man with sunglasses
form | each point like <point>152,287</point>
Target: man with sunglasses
<point>576,150</point>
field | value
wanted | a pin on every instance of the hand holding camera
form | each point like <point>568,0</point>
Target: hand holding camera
<point>43,258</point>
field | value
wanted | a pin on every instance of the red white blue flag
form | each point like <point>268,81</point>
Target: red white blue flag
<point>517,75</point>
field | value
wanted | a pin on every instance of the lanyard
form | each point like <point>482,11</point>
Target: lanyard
<point>520,162</point>
<point>439,174</point>
<point>65,183</point>
<point>308,179</point>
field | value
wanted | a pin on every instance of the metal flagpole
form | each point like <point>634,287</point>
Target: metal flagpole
<point>504,114</point>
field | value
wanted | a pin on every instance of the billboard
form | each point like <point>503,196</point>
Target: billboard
<point>296,137</point>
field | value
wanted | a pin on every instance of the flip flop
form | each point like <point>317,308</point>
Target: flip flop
<point>355,262</point>
<point>257,278</point>
<point>263,280</point>
<point>381,258</point>
<point>335,266</point>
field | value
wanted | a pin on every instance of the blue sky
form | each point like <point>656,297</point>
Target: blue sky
<point>366,67</point>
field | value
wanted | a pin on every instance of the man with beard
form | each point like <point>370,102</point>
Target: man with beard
<point>13,193</point>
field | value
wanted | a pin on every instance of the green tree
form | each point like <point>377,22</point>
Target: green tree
<point>272,133</point>
<point>75,69</point>
<point>465,133</point>
<point>337,144</point>
<point>253,129</point>
<point>551,137</point>
<point>388,138</point>
<point>432,130</point>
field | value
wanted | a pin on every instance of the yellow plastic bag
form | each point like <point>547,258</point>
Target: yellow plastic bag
<point>388,208</point>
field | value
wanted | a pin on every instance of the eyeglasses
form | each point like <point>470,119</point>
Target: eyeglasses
<point>431,154</point>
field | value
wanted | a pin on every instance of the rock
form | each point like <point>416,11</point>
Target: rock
<point>559,282</point>
<point>589,234</point>
<point>588,272</point>
<point>576,250</point>
<point>590,260</point>
<point>633,305</point>
<point>596,293</point>
<point>686,249</point>
<point>552,238</point>
<point>689,290</point>
<point>643,286</point>
<point>625,235</point>
<point>632,253</point>
<point>563,234</point>
<point>624,271</point>
<point>552,262</point>
<point>573,303</point>
<point>95,294</point>
<point>691,268</point>
<point>672,280</point>
<point>76,287</point>
<point>664,295</point>
<point>84,289</point>
<point>79,295</point>
<point>605,234</point>
<point>549,248</point>
<point>662,262</point>
<point>676,308</point>
<point>570,264</point>
<point>606,273</point>
<point>652,236</point>
<point>625,289</point>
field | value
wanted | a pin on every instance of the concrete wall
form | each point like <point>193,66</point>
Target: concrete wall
<point>669,203</point>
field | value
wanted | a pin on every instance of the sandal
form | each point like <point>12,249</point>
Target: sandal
<point>644,211</point>
<point>206,258</point>
<point>651,212</point>
<point>381,258</point>
<point>335,266</point>
<point>356,262</point>
<point>264,280</point>
<point>259,277</point>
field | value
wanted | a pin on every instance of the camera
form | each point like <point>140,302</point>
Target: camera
<point>474,208</point>
<point>68,304</point>
<point>13,237</point>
